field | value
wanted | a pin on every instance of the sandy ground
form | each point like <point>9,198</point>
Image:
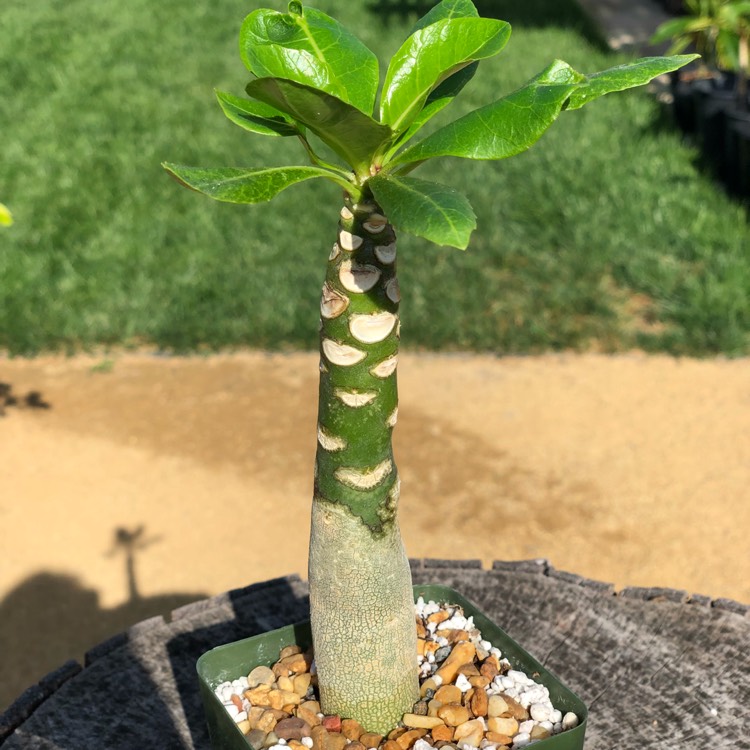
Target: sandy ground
<point>132,484</point>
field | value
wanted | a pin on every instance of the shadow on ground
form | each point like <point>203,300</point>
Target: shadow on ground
<point>50,618</point>
<point>31,400</point>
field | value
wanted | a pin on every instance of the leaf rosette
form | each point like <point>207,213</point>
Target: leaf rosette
<point>313,77</point>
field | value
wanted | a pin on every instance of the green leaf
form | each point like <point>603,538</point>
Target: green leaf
<point>625,77</point>
<point>443,94</point>
<point>6,218</point>
<point>505,127</point>
<point>427,209</point>
<point>256,116</point>
<point>431,55</point>
<point>353,135</point>
<point>445,10</point>
<point>675,27</point>
<point>440,98</point>
<point>311,48</point>
<point>237,185</point>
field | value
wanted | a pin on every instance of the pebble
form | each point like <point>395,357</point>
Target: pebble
<point>331,723</point>
<point>408,738</point>
<point>292,729</point>
<point>503,725</point>
<point>351,729</point>
<point>569,721</point>
<point>470,732</point>
<point>453,714</point>
<point>309,711</point>
<point>470,698</point>
<point>448,694</point>
<point>261,675</point>
<point>417,721</point>
<point>479,702</point>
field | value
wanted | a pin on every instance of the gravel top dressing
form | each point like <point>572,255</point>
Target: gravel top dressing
<point>471,697</point>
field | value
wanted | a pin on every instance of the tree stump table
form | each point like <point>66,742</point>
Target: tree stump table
<point>658,668</point>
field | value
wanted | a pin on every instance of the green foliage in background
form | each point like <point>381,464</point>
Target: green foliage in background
<point>712,27</point>
<point>578,243</point>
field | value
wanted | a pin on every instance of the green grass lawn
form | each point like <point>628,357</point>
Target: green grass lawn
<point>604,235</point>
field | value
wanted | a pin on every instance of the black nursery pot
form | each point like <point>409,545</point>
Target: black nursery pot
<point>232,660</point>
<point>737,151</point>
<point>683,102</point>
<point>711,99</point>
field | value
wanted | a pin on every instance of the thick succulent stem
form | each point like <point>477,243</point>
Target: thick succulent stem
<point>361,603</point>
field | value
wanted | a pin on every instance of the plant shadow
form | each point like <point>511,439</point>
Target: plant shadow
<point>32,400</point>
<point>51,617</point>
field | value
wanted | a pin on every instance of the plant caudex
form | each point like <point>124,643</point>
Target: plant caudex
<point>312,76</point>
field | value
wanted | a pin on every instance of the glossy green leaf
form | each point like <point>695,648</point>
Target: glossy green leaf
<point>440,98</point>
<point>504,128</point>
<point>237,185</point>
<point>256,116</point>
<point>445,10</point>
<point>353,135</point>
<point>431,55</point>
<point>427,209</point>
<point>443,94</point>
<point>624,77</point>
<point>309,47</point>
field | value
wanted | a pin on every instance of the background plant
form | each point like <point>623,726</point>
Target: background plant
<point>714,28</point>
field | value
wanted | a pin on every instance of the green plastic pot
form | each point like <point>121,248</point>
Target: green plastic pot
<point>232,660</point>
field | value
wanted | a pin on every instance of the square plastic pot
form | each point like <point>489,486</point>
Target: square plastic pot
<point>232,660</point>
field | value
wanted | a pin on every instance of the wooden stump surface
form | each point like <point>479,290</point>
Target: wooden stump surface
<point>658,668</point>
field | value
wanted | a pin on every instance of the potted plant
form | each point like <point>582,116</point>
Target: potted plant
<point>314,82</point>
<point>702,95</point>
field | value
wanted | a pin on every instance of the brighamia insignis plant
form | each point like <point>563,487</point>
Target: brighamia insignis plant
<point>313,77</point>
